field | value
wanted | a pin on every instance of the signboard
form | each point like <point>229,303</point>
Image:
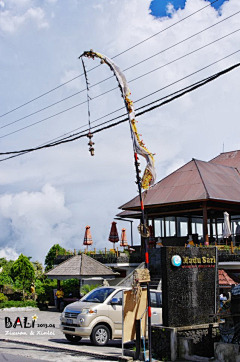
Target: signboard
<point>189,285</point>
<point>132,310</point>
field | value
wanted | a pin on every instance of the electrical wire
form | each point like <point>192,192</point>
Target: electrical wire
<point>134,46</point>
<point>210,79</point>
<point>124,70</point>
<point>112,89</point>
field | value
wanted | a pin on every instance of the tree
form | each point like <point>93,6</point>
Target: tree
<point>51,255</point>
<point>38,268</point>
<point>22,272</point>
<point>5,270</point>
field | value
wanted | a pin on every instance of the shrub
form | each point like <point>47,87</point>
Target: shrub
<point>71,286</point>
<point>3,298</point>
<point>17,304</point>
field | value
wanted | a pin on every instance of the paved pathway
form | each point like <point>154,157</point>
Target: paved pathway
<point>45,332</point>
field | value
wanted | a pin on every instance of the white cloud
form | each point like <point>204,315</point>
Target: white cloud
<point>170,9</point>
<point>11,21</point>
<point>2,5</point>
<point>19,3</point>
<point>9,253</point>
<point>37,220</point>
<point>77,84</point>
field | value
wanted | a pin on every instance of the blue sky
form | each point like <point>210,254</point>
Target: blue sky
<point>158,7</point>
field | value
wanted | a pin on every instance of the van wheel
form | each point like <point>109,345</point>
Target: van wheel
<point>100,335</point>
<point>72,338</point>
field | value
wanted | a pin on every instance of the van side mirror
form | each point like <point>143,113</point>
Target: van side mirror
<point>114,301</point>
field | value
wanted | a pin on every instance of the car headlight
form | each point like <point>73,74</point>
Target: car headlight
<point>88,311</point>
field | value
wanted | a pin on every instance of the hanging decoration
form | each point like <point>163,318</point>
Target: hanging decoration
<point>89,135</point>
<point>136,289</point>
<point>149,175</point>
<point>143,230</point>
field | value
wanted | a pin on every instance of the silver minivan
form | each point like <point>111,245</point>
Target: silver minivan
<point>98,315</point>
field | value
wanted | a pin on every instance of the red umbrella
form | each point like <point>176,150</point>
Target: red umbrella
<point>113,236</point>
<point>152,239</point>
<point>87,237</point>
<point>123,238</point>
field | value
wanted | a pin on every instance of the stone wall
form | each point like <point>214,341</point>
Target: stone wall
<point>165,340</point>
<point>189,291</point>
<point>203,336</point>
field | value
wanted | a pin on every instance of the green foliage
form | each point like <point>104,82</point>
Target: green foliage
<point>69,286</point>
<point>39,287</point>
<point>22,272</point>
<point>126,252</point>
<point>51,255</point>
<point>13,303</point>
<point>38,269</point>
<point>86,288</point>
<point>3,298</point>
<point>5,278</point>
<point>44,290</point>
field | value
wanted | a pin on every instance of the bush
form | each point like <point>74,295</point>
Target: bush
<point>3,298</point>
<point>16,304</point>
<point>71,286</point>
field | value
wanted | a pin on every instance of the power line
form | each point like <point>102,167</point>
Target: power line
<point>210,79</point>
<point>104,93</point>
<point>134,46</point>
<point>124,70</point>
<point>169,95</point>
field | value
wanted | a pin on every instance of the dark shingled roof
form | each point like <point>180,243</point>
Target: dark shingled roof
<point>196,180</point>
<point>78,267</point>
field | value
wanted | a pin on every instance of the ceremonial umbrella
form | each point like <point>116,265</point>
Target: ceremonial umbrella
<point>226,227</point>
<point>87,237</point>
<point>113,236</point>
<point>123,238</point>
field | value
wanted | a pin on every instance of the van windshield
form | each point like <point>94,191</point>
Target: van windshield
<point>98,295</point>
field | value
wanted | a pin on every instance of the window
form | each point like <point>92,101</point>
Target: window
<point>220,228</point>
<point>197,226</point>
<point>156,299</point>
<point>118,295</point>
<point>98,295</point>
<point>182,228</point>
<point>170,226</point>
<point>159,227</point>
<point>153,297</point>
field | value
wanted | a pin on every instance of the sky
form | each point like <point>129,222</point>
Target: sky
<point>49,196</point>
<point>159,8</point>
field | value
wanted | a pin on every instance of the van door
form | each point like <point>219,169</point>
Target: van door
<point>156,305</point>
<point>115,314</point>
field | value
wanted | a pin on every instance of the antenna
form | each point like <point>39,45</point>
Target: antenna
<point>223,147</point>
